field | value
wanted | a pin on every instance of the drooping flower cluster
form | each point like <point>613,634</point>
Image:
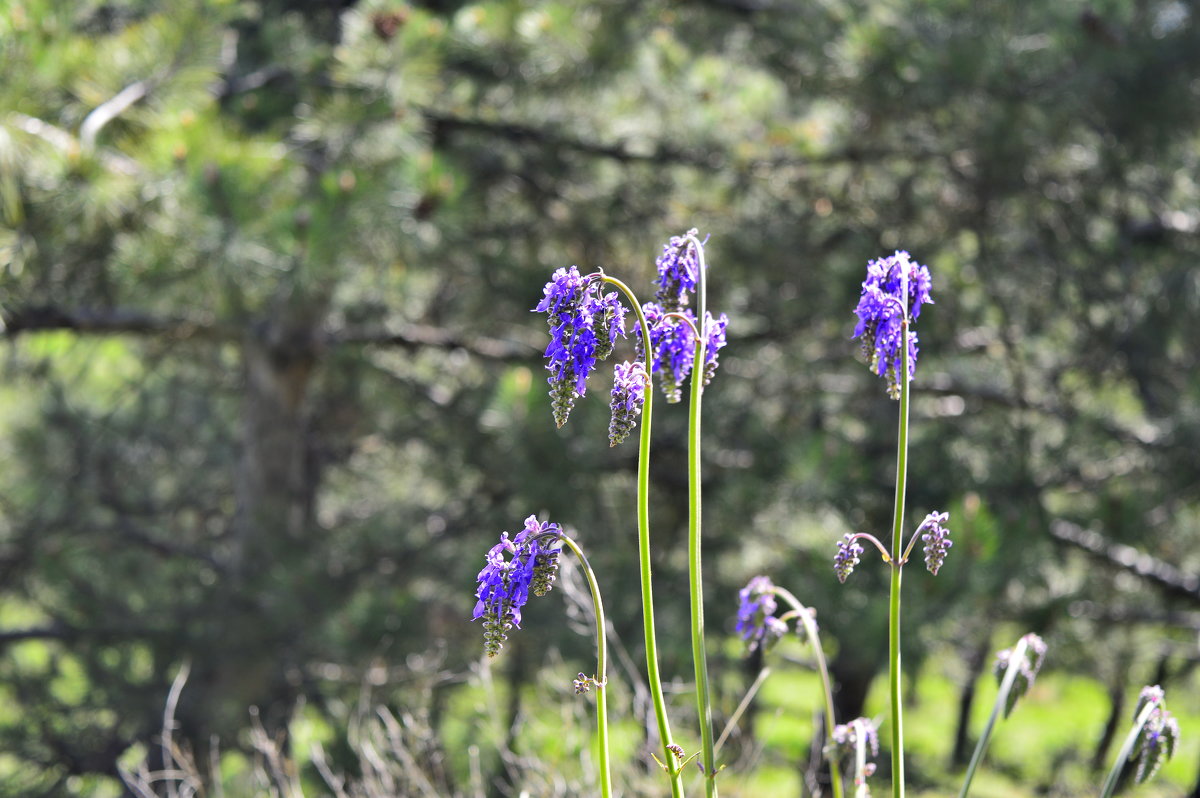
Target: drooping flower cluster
<point>673,346</point>
<point>628,397</point>
<point>756,623</point>
<point>678,271</point>
<point>514,569</point>
<point>847,557</point>
<point>1027,669</point>
<point>937,540</point>
<point>582,683</point>
<point>892,295</point>
<point>1158,738</point>
<point>584,325</point>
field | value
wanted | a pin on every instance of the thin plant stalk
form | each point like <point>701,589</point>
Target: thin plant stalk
<point>860,763</point>
<point>653,675</point>
<point>897,564</point>
<point>1010,676</point>
<point>810,629</point>
<point>695,571</point>
<point>1114,775</point>
<point>600,681</point>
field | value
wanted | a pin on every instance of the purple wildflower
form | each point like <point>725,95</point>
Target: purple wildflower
<point>1027,669</point>
<point>1159,736</point>
<point>672,349</point>
<point>628,397</point>
<point>757,624</point>
<point>883,311</point>
<point>583,327</point>
<point>608,321</point>
<point>505,582</point>
<point>847,557</point>
<point>844,741</point>
<point>678,271</point>
<point>937,540</point>
<point>714,330</point>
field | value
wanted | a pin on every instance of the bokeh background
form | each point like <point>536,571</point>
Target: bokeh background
<point>270,383</point>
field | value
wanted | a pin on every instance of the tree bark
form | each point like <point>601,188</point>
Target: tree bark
<point>976,661</point>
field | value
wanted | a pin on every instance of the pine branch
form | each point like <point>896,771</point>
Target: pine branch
<point>67,144</point>
<point>115,321</point>
<point>1127,558</point>
<point>15,322</point>
<point>417,336</point>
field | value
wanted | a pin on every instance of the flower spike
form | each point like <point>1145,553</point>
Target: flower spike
<point>584,325</point>
<point>937,540</point>
<point>757,625</point>
<point>847,557</point>
<point>628,398</point>
<point>892,295</point>
<point>506,582</point>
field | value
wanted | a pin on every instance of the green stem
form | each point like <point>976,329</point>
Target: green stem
<point>601,678</point>
<point>1114,775</point>
<point>643,522</point>
<point>1010,676</point>
<point>810,628</point>
<point>897,564</point>
<point>695,572</point>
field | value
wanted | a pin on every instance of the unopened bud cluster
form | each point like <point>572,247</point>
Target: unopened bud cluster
<point>1158,738</point>
<point>1027,669</point>
<point>847,557</point>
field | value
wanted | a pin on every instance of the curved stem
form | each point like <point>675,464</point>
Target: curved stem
<point>686,321</point>
<point>695,571</point>
<point>1010,676</point>
<point>810,628</point>
<point>883,552</point>
<point>643,522</point>
<point>897,540</point>
<point>601,678</point>
<point>1114,775</point>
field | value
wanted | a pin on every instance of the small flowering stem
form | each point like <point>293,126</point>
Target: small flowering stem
<point>600,681</point>
<point>695,573</point>
<point>653,675</point>
<point>810,629</point>
<point>912,542</point>
<point>742,706</point>
<point>883,552</point>
<point>860,763</point>
<point>1010,677</point>
<point>1114,775</point>
<point>897,541</point>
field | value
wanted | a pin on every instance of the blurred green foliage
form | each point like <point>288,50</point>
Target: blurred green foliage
<point>271,386</point>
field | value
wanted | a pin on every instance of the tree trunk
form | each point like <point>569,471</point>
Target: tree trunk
<point>241,660</point>
<point>976,661</point>
<point>1116,718</point>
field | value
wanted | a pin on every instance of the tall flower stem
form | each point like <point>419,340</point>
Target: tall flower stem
<point>653,675</point>
<point>695,572</point>
<point>897,564</point>
<point>601,679</point>
<point>1010,676</point>
<point>810,629</point>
